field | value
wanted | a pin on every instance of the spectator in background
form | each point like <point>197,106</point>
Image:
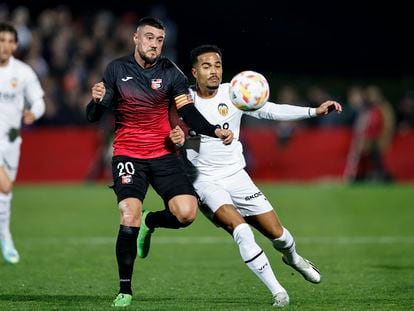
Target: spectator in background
<point>20,21</point>
<point>21,98</point>
<point>315,95</point>
<point>405,112</point>
<point>284,130</point>
<point>373,129</point>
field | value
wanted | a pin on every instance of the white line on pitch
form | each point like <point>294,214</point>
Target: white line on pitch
<point>346,240</point>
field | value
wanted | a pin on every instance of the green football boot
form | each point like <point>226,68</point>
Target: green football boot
<point>144,236</point>
<point>122,300</point>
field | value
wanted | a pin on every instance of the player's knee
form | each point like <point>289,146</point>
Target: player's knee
<point>187,216</point>
<point>6,187</point>
<point>129,213</point>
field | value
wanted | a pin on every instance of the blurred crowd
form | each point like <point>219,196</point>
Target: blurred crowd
<point>374,120</point>
<point>69,53</point>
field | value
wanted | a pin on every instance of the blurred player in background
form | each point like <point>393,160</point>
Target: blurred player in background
<point>140,88</point>
<point>21,98</point>
<point>373,129</point>
<point>228,196</point>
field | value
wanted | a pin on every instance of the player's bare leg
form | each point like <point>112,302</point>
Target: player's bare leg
<point>270,226</point>
<point>6,184</point>
<point>254,257</point>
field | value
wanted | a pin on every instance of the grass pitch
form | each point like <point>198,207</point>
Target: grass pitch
<point>361,237</point>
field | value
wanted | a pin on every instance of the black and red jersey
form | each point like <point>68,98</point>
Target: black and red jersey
<point>140,99</point>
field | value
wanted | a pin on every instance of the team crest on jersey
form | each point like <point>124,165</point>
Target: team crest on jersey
<point>126,179</point>
<point>13,83</point>
<point>156,84</point>
<point>223,109</point>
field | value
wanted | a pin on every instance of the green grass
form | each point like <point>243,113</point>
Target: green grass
<point>361,237</point>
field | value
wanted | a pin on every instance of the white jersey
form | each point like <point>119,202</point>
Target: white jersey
<point>18,85</point>
<point>215,160</point>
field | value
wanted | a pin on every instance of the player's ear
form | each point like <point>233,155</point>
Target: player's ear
<point>194,72</point>
<point>135,37</point>
<point>14,48</point>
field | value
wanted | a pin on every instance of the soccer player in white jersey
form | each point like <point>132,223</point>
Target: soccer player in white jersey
<point>227,194</point>
<point>21,99</point>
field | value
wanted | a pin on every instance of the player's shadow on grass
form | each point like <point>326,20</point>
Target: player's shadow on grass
<point>53,298</point>
<point>395,267</point>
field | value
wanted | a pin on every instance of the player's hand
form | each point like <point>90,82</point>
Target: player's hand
<point>28,117</point>
<point>225,135</point>
<point>98,92</point>
<point>177,136</point>
<point>327,107</point>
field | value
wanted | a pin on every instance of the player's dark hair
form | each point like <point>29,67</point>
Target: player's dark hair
<point>4,27</point>
<point>151,21</point>
<point>205,48</point>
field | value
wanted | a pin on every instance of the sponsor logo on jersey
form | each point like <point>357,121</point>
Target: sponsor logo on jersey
<point>13,83</point>
<point>156,84</point>
<point>253,196</point>
<point>126,179</point>
<point>8,97</point>
<point>223,109</point>
<point>127,78</point>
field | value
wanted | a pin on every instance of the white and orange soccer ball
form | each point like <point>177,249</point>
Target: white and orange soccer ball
<point>249,90</point>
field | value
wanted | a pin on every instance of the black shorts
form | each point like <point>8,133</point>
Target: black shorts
<point>165,174</point>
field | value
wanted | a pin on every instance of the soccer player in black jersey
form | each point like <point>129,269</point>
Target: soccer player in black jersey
<point>140,89</point>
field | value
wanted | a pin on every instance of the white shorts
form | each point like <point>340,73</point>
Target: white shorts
<point>9,156</point>
<point>238,190</point>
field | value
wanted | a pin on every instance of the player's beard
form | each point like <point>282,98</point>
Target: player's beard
<point>148,60</point>
<point>213,87</point>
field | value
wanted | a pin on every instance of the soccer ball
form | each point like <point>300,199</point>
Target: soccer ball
<point>249,90</point>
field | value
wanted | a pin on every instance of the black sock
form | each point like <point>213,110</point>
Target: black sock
<point>163,219</point>
<point>126,252</point>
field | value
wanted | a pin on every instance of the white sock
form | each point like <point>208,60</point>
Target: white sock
<point>5,200</point>
<point>255,258</point>
<point>286,245</point>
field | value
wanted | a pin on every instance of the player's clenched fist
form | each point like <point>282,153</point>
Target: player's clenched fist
<point>98,91</point>
<point>177,136</point>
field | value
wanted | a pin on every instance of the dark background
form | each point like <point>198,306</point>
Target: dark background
<point>350,39</point>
